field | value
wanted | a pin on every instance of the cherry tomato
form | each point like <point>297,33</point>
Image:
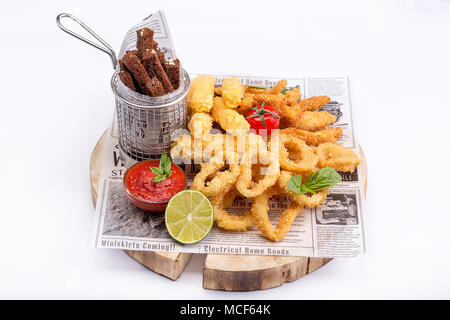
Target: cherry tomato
<point>263,119</point>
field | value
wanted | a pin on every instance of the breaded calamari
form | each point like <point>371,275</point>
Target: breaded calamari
<point>232,92</point>
<point>201,93</point>
<point>200,125</point>
<point>231,121</point>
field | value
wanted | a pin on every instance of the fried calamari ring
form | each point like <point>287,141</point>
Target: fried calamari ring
<point>337,157</point>
<point>221,181</point>
<point>226,221</point>
<point>309,201</point>
<point>270,173</point>
<point>260,215</point>
<point>295,155</point>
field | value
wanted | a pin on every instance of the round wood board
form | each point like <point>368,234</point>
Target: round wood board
<point>221,271</point>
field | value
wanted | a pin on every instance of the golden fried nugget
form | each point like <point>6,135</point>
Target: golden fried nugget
<point>231,121</point>
<point>278,87</point>
<point>200,124</point>
<point>201,93</point>
<point>232,92</point>
<point>315,120</point>
<point>337,157</point>
<point>315,138</point>
<point>292,96</point>
<point>313,103</point>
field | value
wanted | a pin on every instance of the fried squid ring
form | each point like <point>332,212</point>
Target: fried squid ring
<point>225,220</point>
<point>221,182</point>
<point>295,155</point>
<point>337,157</point>
<point>260,215</point>
<point>270,173</point>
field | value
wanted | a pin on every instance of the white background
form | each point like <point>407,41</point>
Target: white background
<point>56,102</point>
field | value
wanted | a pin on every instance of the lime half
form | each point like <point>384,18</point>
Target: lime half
<point>189,216</point>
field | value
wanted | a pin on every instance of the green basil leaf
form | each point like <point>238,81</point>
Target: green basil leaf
<point>295,184</point>
<point>157,171</point>
<point>159,178</point>
<point>322,179</point>
<point>305,189</point>
<point>165,164</point>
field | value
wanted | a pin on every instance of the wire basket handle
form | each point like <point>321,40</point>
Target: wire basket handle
<point>107,48</point>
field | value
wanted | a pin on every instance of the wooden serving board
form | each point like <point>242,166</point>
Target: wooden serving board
<point>221,271</point>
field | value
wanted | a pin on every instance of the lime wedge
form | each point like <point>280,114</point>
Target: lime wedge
<point>189,216</point>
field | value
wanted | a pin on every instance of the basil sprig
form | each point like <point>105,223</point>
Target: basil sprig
<point>163,171</point>
<point>319,180</point>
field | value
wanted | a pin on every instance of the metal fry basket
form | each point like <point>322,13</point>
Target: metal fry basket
<point>146,124</point>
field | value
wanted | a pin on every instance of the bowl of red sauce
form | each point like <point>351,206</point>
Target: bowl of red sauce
<point>142,190</point>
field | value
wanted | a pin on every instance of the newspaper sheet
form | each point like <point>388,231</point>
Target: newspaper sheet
<point>334,230</point>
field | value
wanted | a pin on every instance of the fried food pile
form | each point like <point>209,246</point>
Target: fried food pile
<point>236,162</point>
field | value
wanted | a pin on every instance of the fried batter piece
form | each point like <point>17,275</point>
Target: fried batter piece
<point>337,157</point>
<point>246,103</point>
<point>232,92</point>
<point>200,96</point>
<point>276,89</point>
<point>292,96</point>
<point>313,103</point>
<point>315,120</point>
<point>315,138</point>
<point>231,121</point>
<point>200,125</point>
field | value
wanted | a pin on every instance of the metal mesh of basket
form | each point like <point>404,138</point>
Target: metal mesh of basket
<point>146,124</point>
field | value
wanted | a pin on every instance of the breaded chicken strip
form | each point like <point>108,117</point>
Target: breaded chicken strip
<point>277,88</point>
<point>292,96</point>
<point>315,138</point>
<point>315,120</point>
<point>313,103</point>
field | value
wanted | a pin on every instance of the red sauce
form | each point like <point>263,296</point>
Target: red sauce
<point>139,182</point>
